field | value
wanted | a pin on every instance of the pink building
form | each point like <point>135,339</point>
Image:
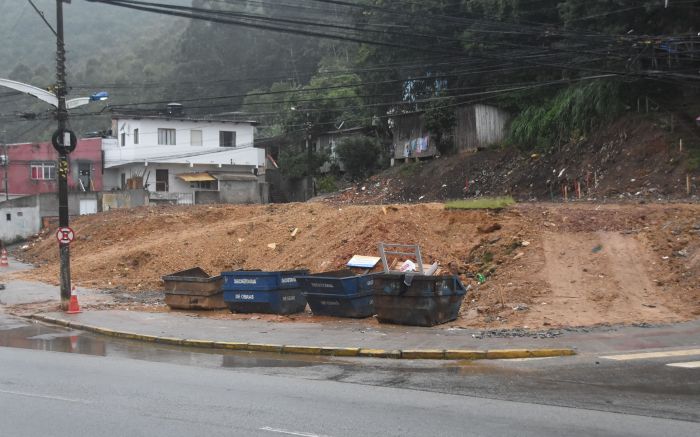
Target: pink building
<point>32,168</point>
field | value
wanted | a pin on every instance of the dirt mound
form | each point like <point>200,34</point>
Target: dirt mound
<point>545,265</point>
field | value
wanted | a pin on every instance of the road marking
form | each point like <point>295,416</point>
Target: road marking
<point>646,355</point>
<point>53,398</point>
<point>284,431</point>
<point>688,365</point>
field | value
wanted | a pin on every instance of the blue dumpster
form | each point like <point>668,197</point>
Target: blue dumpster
<point>340,293</point>
<point>357,306</point>
<point>343,282</point>
<point>417,300</point>
<point>250,291</point>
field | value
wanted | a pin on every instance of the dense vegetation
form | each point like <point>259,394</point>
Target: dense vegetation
<point>562,67</point>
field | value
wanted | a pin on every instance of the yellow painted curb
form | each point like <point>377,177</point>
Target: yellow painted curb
<point>379,353</point>
<point>542,353</point>
<point>426,354</point>
<point>60,322</point>
<point>169,340</point>
<point>148,338</point>
<point>302,350</point>
<point>459,354</point>
<point>198,343</point>
<point>264,347</point>
<point>409,354</point>
<point>340,351</point>
<point>124,335</point>
<point>231,345</point>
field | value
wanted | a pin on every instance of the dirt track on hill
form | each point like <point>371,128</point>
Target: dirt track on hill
<point>547,266</point>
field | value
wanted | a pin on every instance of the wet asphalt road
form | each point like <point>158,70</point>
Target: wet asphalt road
<point>61,382</point>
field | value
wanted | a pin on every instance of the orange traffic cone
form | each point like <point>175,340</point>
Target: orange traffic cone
<point>3,258</point>
<point>73,306</point>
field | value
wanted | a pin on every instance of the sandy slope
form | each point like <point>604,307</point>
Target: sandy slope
<point>558,265</point>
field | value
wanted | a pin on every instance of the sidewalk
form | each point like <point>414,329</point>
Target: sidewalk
<point>19,292</point>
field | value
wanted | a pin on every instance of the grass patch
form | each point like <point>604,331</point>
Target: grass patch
<point>481,203</point>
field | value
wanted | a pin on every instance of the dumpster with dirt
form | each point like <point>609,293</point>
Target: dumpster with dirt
<point>194,289</point>
<point>417,299</point>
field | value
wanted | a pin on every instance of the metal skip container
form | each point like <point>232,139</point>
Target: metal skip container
<point>194,289</point>
<point>339,294</point>
<point>255,291</point>
<point>417,300</point>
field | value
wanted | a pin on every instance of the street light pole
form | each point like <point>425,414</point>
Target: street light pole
<point>62,174</point>
<point>6,163</point>
<point>309,157</point>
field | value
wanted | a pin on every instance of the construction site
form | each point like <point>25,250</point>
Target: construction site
<point>530,265</point>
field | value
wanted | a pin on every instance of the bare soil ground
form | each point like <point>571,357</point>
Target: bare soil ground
<point>547,266</point>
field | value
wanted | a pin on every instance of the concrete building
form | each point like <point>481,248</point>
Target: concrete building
<point>31,168</point>
<point>175,156</point>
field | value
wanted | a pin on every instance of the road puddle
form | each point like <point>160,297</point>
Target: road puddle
<point>27,334</point>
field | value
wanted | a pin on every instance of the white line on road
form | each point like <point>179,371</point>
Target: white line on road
<point>284,431</point>
<point>646,355</point>
<point>688,365</point>
<point>53,398</point>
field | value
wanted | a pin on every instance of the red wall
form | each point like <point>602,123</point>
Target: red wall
<point>22,155</point>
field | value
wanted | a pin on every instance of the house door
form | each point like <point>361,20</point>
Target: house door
<point>88,206</point>
<point>84,176</point>
<point>161,180</point>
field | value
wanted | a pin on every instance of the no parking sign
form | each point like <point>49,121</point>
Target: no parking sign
<point>65,235</point>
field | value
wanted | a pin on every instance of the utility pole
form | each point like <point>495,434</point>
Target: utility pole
<point>309,156</point>
<point>63,149</point>
<point>6,164</point>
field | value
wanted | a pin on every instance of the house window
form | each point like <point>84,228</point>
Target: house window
<point>8,217</point>
<point>166,137</point>
<point>136,136</point>
<point>122,141</point>
<point>204,185</point>
<point>196,137</point>
<point>43,171</point>
<point>227,138</point>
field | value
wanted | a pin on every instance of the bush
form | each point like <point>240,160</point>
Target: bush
<point>360,155</point>
<point>294,163</point>
<point>327,184</point>
<point>572,113</point>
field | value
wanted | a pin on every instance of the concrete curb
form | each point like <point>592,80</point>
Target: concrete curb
<point>407,354</point>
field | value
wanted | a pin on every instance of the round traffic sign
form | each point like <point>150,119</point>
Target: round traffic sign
<point>65,235</point>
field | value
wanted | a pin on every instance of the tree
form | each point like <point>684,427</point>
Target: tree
<point>359,154</point>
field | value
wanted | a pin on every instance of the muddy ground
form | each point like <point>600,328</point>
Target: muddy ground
<point>546,265</point>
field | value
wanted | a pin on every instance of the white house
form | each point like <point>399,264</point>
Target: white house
<point>175,156</point>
